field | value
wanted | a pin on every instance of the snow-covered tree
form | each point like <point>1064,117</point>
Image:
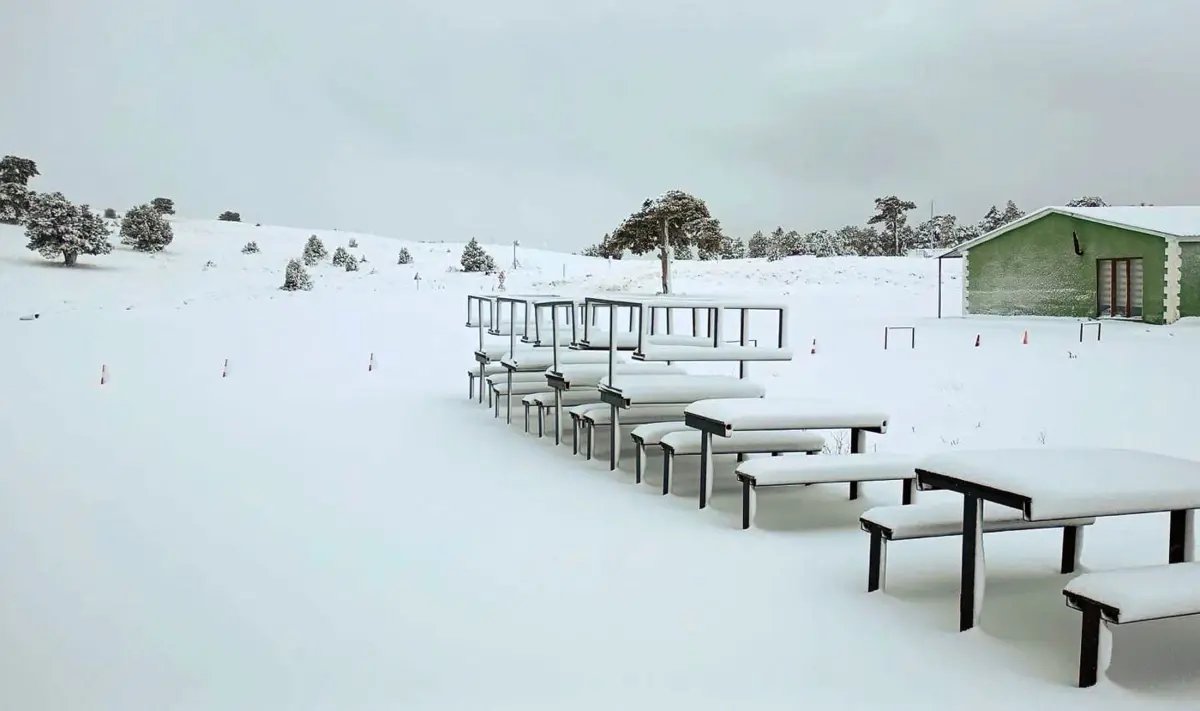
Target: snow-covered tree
<point>250,248</point>
<point>230,216</point>
<point>475,259</point>
<point>15,196</point>
<point>146,230</point>
<point>351,264</point>
<point>777,245</point>
<point>340,257</point>
<point>673,220</point>
<point>824,243</point>
<point>352,244</point>
<point>295,277</point>
<point>684,253</point>
<point>863,241</point>
<point>732,248</point>
<point>1088,201</point>
<point>937,232</point>
<point>592,250</point>
<point>314,251</point>
<point>608,249</point>
<point>110,214</point>
<point>405,256</point>
<point>995,218</point>
<point>758,245</point>
<point>165,206</point>
<point>892,213</point>
<point>56,228</point>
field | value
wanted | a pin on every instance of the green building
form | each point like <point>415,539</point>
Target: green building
<point>1139,263</point>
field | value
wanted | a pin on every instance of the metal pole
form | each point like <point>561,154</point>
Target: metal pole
<point>939,310</point>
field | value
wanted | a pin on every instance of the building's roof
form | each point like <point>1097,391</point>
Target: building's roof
<point>1175,222</point>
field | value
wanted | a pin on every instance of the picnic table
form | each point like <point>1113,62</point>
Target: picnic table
<point>723,417</point>
<point>1061,483</point>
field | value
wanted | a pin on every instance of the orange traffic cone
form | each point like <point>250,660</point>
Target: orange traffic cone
<point>976,340</point>
<point>1025,339</point>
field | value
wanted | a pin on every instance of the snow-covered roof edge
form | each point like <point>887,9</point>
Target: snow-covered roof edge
<point>959,250</point>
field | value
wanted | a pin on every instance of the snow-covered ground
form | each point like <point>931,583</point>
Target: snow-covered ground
<point>305,534</point>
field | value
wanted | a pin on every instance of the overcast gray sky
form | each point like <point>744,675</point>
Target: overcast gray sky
<point>549,120</point>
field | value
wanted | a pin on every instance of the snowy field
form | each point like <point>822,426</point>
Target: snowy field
<point>305,534</point>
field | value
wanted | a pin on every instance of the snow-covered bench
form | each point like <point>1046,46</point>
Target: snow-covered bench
<point>677,444</point>
<point>938,519</point>
<point>1126,596</point>
<point>682,390</point>
<point>478,371</point>
<point>628,340</point>
<point>649,435</point>
<point>852,469</point>
<point>519,384</point>
<point>542,359</point>
<point>600,417</point>
<point>545,403</point>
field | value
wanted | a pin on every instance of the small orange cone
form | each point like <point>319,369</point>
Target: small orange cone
<point>814,347</point>
<point>1025,339</point>
<point>976,340</point>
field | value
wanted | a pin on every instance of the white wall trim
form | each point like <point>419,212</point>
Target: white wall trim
<point>1174,277</point>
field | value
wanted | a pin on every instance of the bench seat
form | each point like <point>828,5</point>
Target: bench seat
<point>945,518</point>
<point>544,402</point>
<point>649,435</point>
<point>600,417</point>
<point>775,442</point>
<point>852,469</point>
<point>1126,596</point>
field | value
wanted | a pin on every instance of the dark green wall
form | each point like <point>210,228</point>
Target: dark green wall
<point>1033,270</point>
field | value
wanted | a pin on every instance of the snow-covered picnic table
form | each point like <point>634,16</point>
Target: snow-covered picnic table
<point>1049,483</point>
<point>723,417</point>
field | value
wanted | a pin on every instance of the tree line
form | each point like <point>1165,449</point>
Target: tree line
<point>679,225</point>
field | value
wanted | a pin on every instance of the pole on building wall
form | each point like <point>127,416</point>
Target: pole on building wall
<point>939,312</point>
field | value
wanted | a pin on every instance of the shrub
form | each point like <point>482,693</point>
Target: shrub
<point>295,277</point>
<point>250,248</point>
<point>405,256</point>
<point>110,214</point>
<point>228,216</point>
<point>352,244</point>
<point>164,206</point>
<point>314,251</point>
<point>474,259</point>
<point>351,264</point>
<point>146,230</point>
<point>340,257</point>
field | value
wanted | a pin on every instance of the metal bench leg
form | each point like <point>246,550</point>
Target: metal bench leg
<point>541,412</point>
<point>575,436</point>
<point>909,491</point>
<point>749,504</point>
<point>668,459</point>
<point>877,566</point>
<point>470,386</point>
<point>1089,646</point>
<point>707,470</point>
<point>853,490</point>
<point>1072,546</point>
<point>639,462</point>
<point>591,440</point>
<point>526,417</point>
<point>496,402</point>
<point>482,383</point>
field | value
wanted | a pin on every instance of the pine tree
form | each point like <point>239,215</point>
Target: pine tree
<point>165,206</point>
<point>146,230</point>
<point>56,228</point>
<point>352,244</point>
<point>351,264</point>
<point>824,243</point>
<point>295,278</point>
<point>777,245</point>
<point>1088,201</point>
<point>15,196</point>
<point>684,253</point>
<point>892,213</point>
<point>475,259</point>
<point>405,256</point>
<point>250,248</point>
<point>340,257</point>
<point>110,214</point>
<point>229,216</point>
<point>732,248</point>
<point>758,246</point>
<point>675,219</point>
<point>314,251</point>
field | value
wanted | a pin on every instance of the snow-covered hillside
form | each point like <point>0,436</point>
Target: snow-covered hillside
<point>243,516</point>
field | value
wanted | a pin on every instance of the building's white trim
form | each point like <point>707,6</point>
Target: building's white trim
<point>1172,282</point>
<point>966,285</point>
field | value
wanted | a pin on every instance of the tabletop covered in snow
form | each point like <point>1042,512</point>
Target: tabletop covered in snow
<point>786,414</point>
<point>1067,483</point>
<point>683,388</point>
<point>1143,593</point>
